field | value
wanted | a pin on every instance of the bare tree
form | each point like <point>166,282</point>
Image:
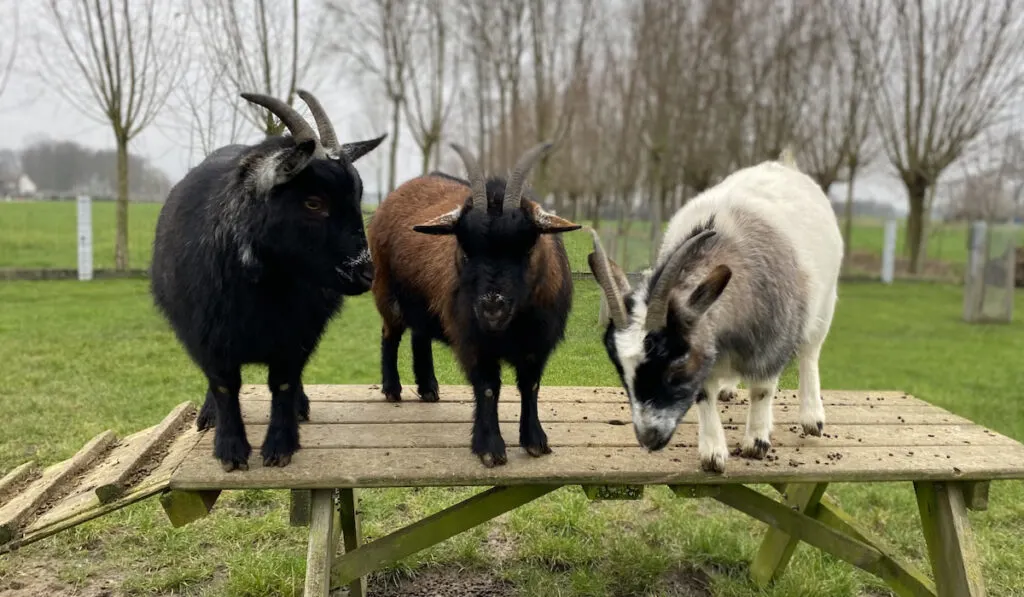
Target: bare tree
<point>945,72</point>
<point>117,62</point>
<point>257,46</point>
<point>9,43</point>
<point>381,47</point>
<point>433,79</point>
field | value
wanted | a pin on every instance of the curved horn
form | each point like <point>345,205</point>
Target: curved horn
<point>657,303</point>
<point>475,176</point>
<point>328,138</point>
<point>517,180</point>
<point>298,127</point>
<point>602,271</point>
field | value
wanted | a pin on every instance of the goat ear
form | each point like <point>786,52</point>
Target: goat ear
<point>708,291</point>
<point>295,160</point>
<point>442,224</point>
<point>547,222</point>
<point>357,149</point>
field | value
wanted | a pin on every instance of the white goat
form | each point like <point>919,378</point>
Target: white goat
<point>744,281</point>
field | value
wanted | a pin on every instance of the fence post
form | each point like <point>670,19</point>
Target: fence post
<point>888,251</point>
<point>84,237</point>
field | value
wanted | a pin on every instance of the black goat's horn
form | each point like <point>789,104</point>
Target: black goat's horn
<point>298,127</point>
<point>517,180</point>
<point>328,138</point>
<point>475,176</point>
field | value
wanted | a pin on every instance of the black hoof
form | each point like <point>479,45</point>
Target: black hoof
<point>491,450</point>
<point>279,446</point>
<point>233,452</point>
<point>429,396</point>
<point>392,393</point>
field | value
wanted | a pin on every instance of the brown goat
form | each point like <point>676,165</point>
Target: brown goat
<point>479,267</point>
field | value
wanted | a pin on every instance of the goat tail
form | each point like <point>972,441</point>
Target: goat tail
<point>787,157</point>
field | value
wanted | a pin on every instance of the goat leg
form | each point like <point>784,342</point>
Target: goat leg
<point>230,445</point>
<point>282,438</point>
<point>531,435</point>
<point>487,444</point>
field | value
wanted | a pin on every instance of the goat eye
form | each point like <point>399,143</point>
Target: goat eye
<point>314,204</point>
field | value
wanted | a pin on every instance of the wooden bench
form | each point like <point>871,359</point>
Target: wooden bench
<point>355,440</point>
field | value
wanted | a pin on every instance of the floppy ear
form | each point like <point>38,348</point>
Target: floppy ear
<point>355,150</point>
<point>708,291</point>
<point>442,224</point>
<point>267,170</point>
<point>546,222</point>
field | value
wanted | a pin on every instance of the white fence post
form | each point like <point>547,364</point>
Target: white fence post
<point>84,237</point>
<point>889,251</point>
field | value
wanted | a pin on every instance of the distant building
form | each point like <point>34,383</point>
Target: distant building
<point>19,185</point>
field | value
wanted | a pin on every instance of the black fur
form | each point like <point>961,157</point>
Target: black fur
<point>493,258</point>
<point>251,272</point>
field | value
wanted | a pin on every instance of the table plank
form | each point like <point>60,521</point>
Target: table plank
<point>258,413</point>
<point>404,467</point>
<point>573,394</point>
<point>454,435</point>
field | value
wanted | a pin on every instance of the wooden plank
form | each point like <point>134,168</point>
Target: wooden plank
<point>183,507</point>
<point>320,550</point>
<point>16,479</point>
<point>902,577</point>
<point>352,531</point>
<point>71,512</point>
<point>803,527</point>
<point>947,531</point>
<point>113,475</point>
<point>976,495</point>
<point>415,411</point>
<point>435,529</point>
<point>298,507</point>
<point>588,434</point>
<point>54,480</point>
<point>575,394</point>
<point>695,491</point>
<point>777,547</point>
<point>400,467</point>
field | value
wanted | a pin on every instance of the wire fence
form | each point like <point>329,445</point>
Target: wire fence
<point>42,235</point>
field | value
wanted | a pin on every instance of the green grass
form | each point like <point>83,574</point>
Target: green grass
<point>42,235</point>
<point>78,358</point>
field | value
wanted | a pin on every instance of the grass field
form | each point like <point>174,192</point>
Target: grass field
<point>78,358</point>
<point>42,235</point>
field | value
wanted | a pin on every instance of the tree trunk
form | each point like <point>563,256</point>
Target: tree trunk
<point>915,224</point>
<point>396,112</point>
<point>596,218</point>
<point>848,223</point>
<point>121,243</point>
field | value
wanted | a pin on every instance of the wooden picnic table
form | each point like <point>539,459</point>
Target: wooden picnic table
<point>355,440</point>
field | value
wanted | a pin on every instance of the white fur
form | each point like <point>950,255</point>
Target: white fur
<point>793,204</point>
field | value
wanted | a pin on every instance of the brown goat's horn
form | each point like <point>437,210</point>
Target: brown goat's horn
<point>657,303</point>
<point>298,127</point>
<point>602,271</point>
<point>517,180</point>
<point>475,176</point>
<point>328,138</point>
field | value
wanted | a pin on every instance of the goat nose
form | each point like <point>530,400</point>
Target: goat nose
<point>366,273</point>
<point>493,303</point>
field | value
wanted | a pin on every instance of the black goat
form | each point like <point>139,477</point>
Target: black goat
<point>255,248</point>
<point>477,266</point>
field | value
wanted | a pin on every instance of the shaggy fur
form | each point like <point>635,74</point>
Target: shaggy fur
<point>255,248</point>
<point>756,263</point>
<point>494,285</point>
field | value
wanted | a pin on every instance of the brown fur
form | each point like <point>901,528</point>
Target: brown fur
<point>428,262</point>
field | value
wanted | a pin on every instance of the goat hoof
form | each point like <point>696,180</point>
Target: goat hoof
<point>492,460</point>
<point>815,428</point>
<point>429,396</point>
<point>283,460</point>
<point>757,448</point>
<point>713,462</point>
<point>229,466</point>
<point>727,395</point>
<point>538,450</point>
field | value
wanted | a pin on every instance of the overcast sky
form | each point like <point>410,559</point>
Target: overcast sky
<point>29,111</point>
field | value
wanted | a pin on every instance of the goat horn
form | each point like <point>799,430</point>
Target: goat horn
<point>475,175</point>
<point>602,271</point>
<point>657,304</point>
<point>517,180</point>
<point>298,127</point>
<point>328,138</point>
